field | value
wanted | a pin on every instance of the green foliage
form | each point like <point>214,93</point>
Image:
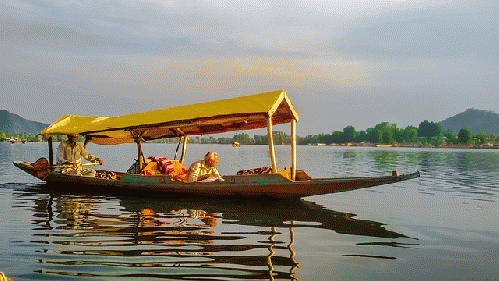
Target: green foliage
<point>308,139</point>
<point>450,137</point>
<point>349,134</point>
<point>242,139</point>
<point>430,129</point>
<point>387,132</point>
<point>225,140</point>
<point>336,137</point>
<point>281,137</point>
<point>362,137</point>
<point>378,136</point>
<point>260,139</point>
<point>482,139</point>
<point>465,136</point>
<point>410,134</point>
<point>23,136</point>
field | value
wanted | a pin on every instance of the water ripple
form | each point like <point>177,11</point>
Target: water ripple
<point>56,235</point>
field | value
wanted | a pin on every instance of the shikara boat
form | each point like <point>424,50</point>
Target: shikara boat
<point>242,113</point>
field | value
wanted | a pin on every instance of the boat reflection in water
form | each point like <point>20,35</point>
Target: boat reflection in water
<point>102,236</point>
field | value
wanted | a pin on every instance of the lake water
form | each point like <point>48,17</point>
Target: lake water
<point>441,226</point>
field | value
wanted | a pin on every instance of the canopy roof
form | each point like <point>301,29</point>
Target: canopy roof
<point>241,113</point>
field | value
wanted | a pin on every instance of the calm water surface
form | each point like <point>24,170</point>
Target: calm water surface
<point>442,226</point>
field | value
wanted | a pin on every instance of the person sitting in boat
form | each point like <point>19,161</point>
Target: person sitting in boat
<point>204,170</point>
<point>71,153</point>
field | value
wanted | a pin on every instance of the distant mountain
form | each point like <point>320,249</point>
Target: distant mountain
<point>477,121</point>
<point>15,124</point>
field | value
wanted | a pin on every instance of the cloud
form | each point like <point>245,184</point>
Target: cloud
<point>119,27</point>
<point>104,28</point>
<point>460,29</point>
<point>351,63</point>
<point>199,74</point>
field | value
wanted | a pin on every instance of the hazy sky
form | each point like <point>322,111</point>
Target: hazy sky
<point>341,62</point>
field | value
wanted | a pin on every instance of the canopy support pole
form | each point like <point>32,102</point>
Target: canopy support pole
<point>139,151</point>
<point>293,149</point>
<point>271,144</point>
<point>182,157</point>
<point>178,146</point>
<point>138,139</point>
<point>51,152</point>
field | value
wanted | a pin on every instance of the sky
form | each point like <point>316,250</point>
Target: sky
<point>341,63</point>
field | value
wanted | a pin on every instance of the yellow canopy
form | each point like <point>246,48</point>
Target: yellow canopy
<point>242,113</point>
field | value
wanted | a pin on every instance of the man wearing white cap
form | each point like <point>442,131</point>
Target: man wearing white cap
<point>204,170</point>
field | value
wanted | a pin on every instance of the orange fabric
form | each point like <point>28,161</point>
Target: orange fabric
<point>151,169</point>
<point>179,171</point>
<point>165,166</point>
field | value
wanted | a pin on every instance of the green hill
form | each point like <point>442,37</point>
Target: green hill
<point>477,121</point>
<point>15,124</point>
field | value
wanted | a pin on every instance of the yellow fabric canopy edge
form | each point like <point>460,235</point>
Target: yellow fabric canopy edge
<point>114,127</point>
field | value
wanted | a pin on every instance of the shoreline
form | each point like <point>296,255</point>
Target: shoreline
<point>381,146</point>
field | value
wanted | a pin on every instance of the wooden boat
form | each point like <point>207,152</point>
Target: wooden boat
<point>243,113</point>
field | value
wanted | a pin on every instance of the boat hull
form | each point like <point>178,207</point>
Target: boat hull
<point>268,185</point>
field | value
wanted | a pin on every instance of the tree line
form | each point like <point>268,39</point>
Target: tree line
<point>383,133</point>
<point>388,133</point>
<point>23,136</point>
<point>35,137</point>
